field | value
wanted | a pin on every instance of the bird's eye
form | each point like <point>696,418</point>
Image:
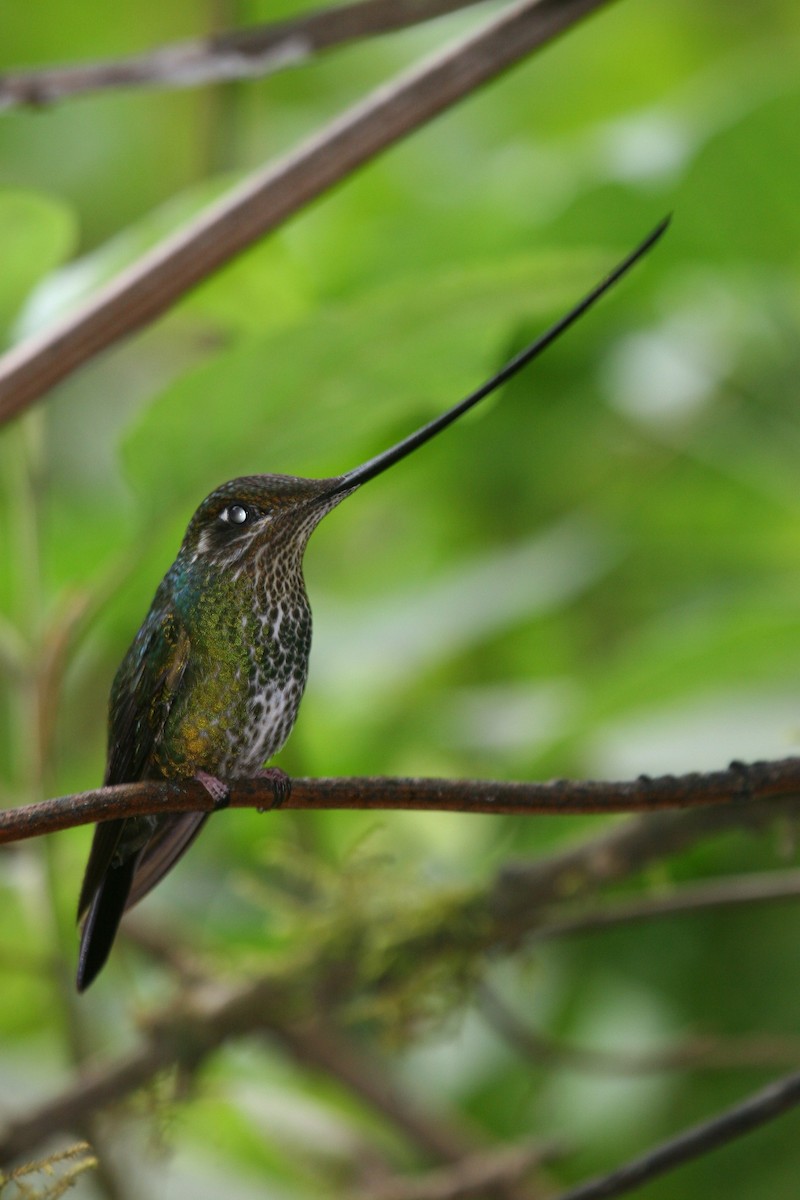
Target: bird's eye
<point>235,514</point>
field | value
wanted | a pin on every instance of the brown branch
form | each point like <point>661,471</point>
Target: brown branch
<point>764,887</point>
<point>320,1045</point>
<point>760,781</point>
<point>505,914</point>
<point>236,54</point>
<point>180,1037</point>
<point>71,1108</point>
<point>521,888</point>
<point>474,1176</point>
<point>705,1053</point>
<point>763,1106</point>
<point>265,199</point>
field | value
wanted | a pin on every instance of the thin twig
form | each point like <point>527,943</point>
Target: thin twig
<point>704,1053</point>
<point>59,1171</point>
<point>758,781</point>
<point>620,852</point>
<point>763,887</point>
<point>319,1044</point>
<point>236,54</point>
<point>763,1106</point>
<point>180,1037</point>
<point>265,199</point>
<point>478,1175</point>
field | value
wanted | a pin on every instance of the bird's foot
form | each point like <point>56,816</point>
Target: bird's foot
<point>219,792</point>
<point>281,786</point>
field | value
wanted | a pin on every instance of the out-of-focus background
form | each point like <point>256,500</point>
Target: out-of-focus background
<point>596,575</point>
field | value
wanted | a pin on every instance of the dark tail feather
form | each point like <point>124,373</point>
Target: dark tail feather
<point>104,846</point>
<point>103,918</point>
<point>110,886</point>
<point>169,841</point>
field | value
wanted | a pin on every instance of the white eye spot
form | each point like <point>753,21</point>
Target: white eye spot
<point>235,515</point>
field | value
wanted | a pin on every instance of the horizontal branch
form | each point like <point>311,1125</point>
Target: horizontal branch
<point>268,197</point>
<point>763,1106</point>
<point>740,782</point>
<point>236,54</point>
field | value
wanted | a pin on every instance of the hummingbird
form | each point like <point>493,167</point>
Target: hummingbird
<point>211,684</point>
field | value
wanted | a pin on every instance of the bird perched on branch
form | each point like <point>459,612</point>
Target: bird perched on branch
<point>212,683</point>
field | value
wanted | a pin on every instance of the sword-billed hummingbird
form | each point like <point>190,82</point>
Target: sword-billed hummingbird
<point>212,682</point>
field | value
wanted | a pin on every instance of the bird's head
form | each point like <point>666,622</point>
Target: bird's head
<point>254,513</point>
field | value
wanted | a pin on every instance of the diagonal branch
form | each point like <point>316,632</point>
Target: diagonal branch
<point>322,1046</point>
<point>267,198</point>
<point>474,1177</point>
<point>697,1053</point>
<point>236,54</point>
<point>760,781</point>
<point>758,1109</point>
<point>763,887</point>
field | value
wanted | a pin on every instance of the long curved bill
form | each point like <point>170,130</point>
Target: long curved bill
<point>375,466</point>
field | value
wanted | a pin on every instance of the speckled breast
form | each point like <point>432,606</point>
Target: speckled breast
<point>240,697</point>
<point>278,669</point>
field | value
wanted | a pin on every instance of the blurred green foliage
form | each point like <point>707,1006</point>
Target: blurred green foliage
<point>596,575</point>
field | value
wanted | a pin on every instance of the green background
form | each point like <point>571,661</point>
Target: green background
<point>596,575</point>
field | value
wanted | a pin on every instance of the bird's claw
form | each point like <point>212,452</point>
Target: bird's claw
<point>281,786</point>
<point>219,792</point>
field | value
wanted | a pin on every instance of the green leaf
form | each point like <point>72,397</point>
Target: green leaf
<point>36,234</point>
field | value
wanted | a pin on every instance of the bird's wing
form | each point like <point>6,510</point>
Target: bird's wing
<point>142,695</point>
<point>171,838</point>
